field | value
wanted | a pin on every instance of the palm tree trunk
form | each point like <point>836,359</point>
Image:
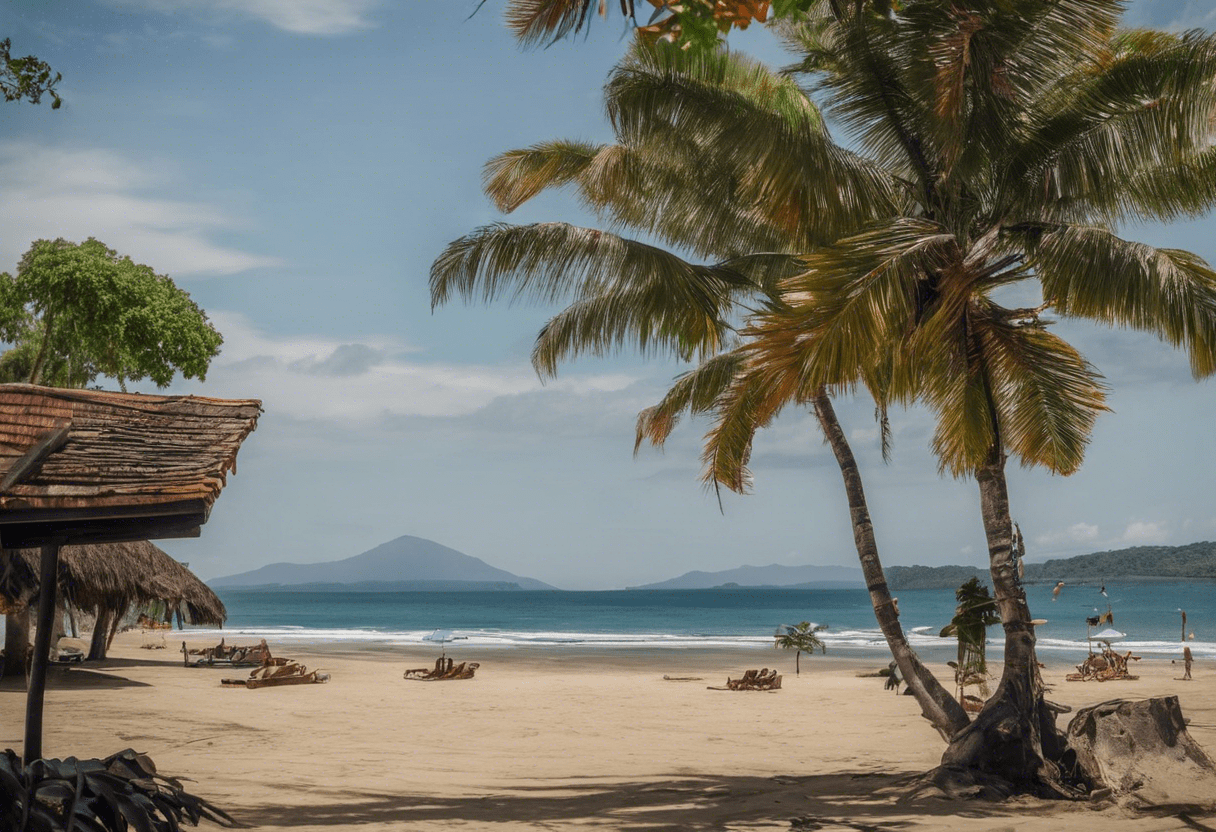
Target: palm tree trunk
<point>1013,744</point>
<point>936,704</point>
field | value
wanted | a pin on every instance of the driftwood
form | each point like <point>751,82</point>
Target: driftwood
<point>277,672</point>
<point>1141,752</point>
<point>227,656</point>
<point>1104,667</point>
<point>763,679</point>
<point>445,669</point>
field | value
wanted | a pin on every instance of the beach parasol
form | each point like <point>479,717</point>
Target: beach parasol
<point>1107,636</point>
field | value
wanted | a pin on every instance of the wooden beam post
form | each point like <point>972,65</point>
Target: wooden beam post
<point>47,590</point>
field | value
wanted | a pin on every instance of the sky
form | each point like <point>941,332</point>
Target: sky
<point>296,165</point>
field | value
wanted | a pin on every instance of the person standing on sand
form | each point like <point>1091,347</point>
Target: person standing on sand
<point>1187,659</point>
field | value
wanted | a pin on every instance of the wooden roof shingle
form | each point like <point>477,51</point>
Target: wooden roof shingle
<point>98,463</point>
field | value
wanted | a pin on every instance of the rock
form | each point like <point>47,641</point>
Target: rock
<point>1141,751</point>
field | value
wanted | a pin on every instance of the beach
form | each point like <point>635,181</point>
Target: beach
<point>556,738</point>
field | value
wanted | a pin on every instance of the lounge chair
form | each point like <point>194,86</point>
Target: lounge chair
<point>443,671</point>
<point>278,672</point>
<point>225,656</point>
<point>763,679</point>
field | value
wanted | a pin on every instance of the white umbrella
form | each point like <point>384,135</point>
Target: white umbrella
<point>1108,635</point>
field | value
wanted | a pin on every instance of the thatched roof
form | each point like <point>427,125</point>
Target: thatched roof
<point>111,575</point>
<point>113,466</point>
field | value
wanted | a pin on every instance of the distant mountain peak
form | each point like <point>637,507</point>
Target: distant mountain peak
<point>404,560</point>
<point>774,574</point>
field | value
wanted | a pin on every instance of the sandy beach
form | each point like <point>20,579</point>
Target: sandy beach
<point>554,739</point>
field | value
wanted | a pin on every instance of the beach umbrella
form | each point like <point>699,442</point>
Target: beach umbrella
<point>1107,636</point>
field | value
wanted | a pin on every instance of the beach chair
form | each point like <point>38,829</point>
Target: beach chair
<point>444,670</point>
<point>276,673</point>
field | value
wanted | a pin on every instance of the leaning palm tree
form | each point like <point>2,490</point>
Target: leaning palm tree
<point>1023,134</point>
<point>675,183</point>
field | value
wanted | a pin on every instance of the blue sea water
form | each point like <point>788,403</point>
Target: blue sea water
<point>1147,612</point>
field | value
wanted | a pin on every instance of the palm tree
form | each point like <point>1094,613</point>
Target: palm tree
<point>975,613</point>
<point>1023,134</point>
<point>800,637</point>
<point>671,179</point>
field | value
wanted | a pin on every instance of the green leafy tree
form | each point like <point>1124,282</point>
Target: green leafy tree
<point>27,78</point>
<point>77,311</point>
<point>801,637</point>
<point>1022,135</point>
<point>702,199</point>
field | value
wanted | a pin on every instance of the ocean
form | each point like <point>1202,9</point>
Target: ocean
<point>1148,612</point>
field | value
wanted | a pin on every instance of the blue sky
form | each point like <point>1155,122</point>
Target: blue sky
<point>296,165</point>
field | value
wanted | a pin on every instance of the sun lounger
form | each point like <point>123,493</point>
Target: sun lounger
<point>276,673</point>
<point>1107,666</point>
<point>763,679</point>
<point>224,656</point>
<point>445,670</point>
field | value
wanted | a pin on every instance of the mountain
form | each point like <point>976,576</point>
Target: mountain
<point>407,561</point>
<point>1194,560</point>
<point>801,577</point>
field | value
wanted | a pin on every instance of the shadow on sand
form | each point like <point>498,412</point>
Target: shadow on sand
<point>75,677</point>
<point>860,801</point>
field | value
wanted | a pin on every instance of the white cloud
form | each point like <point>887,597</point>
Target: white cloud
<point>1076,533</point>
<point>1139,532</point>
<point>76,194</point>
<point>318,378</point>
<point>302,17</point>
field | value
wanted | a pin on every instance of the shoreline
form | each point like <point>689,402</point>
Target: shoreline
<point>555,738</point>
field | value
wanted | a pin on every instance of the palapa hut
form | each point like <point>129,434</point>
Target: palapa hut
<point>91,466</point>
<point>110,578</point>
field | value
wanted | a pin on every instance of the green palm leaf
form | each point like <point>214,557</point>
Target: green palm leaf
<point>1091,273</point>
<point>696,391</point>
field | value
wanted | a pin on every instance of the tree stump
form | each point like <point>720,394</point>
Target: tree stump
<point>1141,751</point>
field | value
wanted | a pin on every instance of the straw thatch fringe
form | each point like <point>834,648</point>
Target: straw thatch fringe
<point>111,576</point>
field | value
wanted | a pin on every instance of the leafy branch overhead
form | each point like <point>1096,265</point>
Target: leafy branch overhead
<point>27,78</point>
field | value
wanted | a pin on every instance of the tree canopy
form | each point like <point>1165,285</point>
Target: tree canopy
<point>27,78</point>
<point>75,311</point>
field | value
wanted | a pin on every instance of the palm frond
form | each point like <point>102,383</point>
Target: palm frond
<point>544,21</point>
<point>1047,394</point>
<point>1092,273</point>
<point>550,262</point>
<point>696,391</point>
<point>649,318</point>
<point>512,178</point>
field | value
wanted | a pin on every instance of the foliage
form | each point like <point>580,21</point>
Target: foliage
<point>76,311</point>
<point>803,637</point>
<point>1192,560</point>
<point>975,613</point>
<point>688,23</point>
<point>27,78</point>
<point>118,793</point>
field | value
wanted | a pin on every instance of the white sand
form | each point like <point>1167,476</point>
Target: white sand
<point>555,739</point>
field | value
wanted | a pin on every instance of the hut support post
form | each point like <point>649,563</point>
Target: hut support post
<point>48,584</point>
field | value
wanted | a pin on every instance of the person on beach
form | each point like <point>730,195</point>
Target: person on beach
<point>1187,659</point>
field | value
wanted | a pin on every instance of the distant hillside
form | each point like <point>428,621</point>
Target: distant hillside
<point>773,575</point>
<point>1194,560</point>
<point>415,561</point>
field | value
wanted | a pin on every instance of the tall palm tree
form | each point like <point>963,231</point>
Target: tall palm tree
<point>1023,134</point>
<point>671,179</point>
